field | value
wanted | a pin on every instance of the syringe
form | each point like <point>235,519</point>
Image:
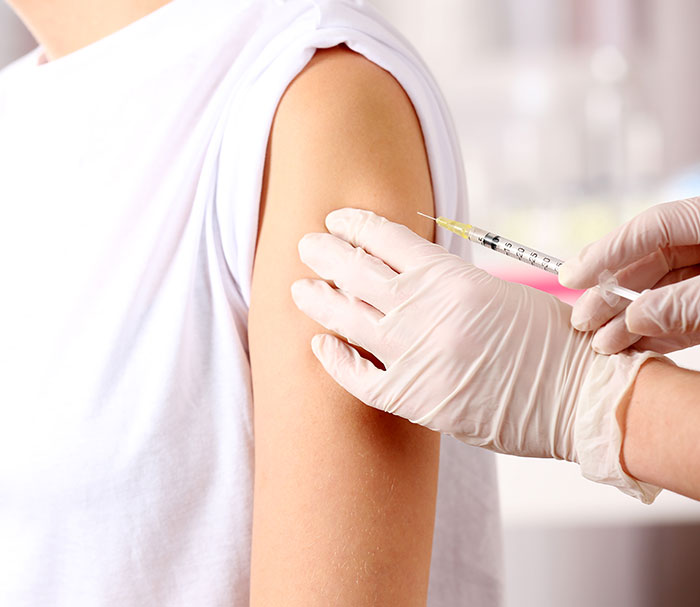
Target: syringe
<point>518,251</point>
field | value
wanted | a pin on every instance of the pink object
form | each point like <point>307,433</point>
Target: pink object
<point>537,279</point>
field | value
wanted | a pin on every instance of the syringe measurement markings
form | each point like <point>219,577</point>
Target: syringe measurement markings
<point>495,242</point>
<point>527,255</point>
<point>535,258</point>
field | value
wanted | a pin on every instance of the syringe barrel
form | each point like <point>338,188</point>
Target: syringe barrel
<point>515,250</point>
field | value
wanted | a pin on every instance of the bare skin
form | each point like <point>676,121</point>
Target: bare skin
<point>344,494</point>
<point>660,424</point>
<point>64,26</point>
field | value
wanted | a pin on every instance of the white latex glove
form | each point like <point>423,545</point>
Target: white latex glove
<point>658,250</point>
<point>492,363</point>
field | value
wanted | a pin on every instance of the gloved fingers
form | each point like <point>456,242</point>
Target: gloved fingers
<point>668,343</point>
<point>671,224</point>
<point>395,244</point>
<point>592,311</point>
<point>614,337</point>
<point>681,257</point>
<point>352,270</point>
<point>344,364</point>
<point>678,275</point>
<point>673,309</point>
<point>341,313</point>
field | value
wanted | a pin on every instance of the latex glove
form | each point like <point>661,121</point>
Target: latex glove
<point>658,250</point>
<point>492,363</point>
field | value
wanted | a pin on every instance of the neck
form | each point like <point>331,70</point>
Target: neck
<point>64,26</point>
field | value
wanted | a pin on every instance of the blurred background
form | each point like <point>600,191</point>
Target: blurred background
<point>573,116</point>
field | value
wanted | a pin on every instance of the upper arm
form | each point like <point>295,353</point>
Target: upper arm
<point>344,494</point>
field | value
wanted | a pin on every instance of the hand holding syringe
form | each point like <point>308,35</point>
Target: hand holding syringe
<point>608,285</point>
<point>513,377</point>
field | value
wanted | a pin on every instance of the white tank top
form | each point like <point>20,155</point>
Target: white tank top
<point>130,176</point>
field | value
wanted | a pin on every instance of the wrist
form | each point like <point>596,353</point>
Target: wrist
<point>632,441</point>
<point>660,422</point>
<point>607,388</point>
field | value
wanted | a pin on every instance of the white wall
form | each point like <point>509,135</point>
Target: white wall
<point>556,155</point>
<point>15,40</point>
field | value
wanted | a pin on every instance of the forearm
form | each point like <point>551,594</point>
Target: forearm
<point>661,428</point>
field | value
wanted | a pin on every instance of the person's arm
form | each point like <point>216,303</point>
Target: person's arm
<point>344,495</point>
<point>661,425</point>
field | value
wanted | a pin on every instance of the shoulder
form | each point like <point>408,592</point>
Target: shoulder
<point>341,95</point>
<point>337,71</point>
<point>345,126</point>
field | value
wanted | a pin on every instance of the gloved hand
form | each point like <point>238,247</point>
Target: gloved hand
<point>493,363</point>
<point>658,250</point>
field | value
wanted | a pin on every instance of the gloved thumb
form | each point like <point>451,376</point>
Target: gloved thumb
<point>344,364</point>
<point>670,310</point>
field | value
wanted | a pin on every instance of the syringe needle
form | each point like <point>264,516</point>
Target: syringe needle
<point>428,216</point>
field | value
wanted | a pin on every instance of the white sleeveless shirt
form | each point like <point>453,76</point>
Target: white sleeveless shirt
<point>130,176</point>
